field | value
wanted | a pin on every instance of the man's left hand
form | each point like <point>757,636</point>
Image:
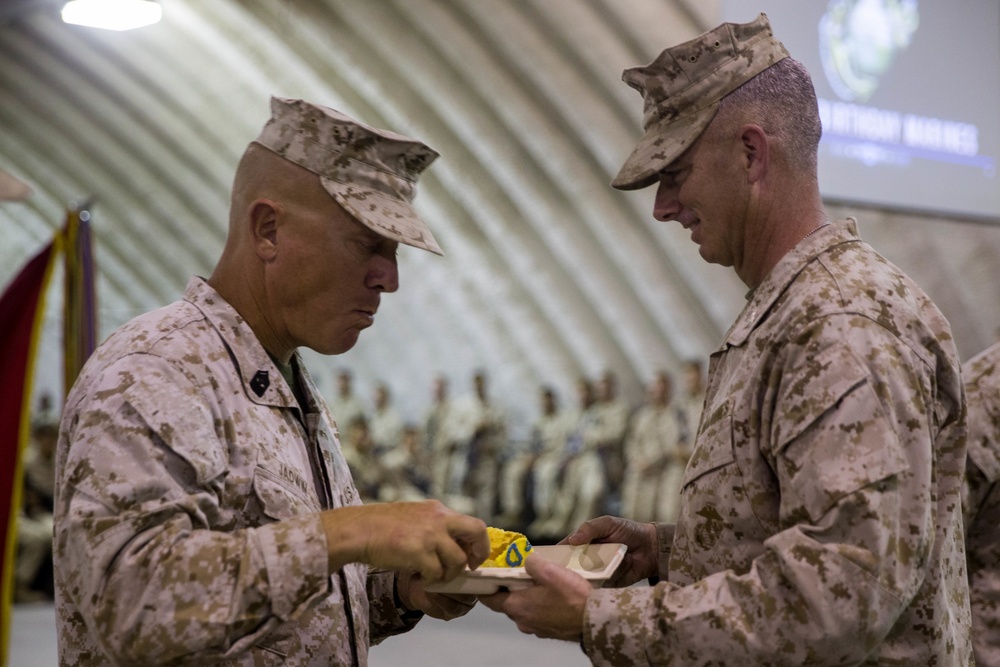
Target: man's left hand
<point>437,605</point>
<point>552,608</point>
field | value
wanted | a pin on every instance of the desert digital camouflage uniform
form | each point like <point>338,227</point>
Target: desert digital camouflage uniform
<point>578,479</point>
<point>982,502</point>
<point>553,432</point>
<point>479,427</point>
<point>187,523</point>
<point>584,486</point>
<point>535,462</point>
<point>386,427</point>
<point>441,443</point>
<point>346,409</point>
<point>606,435</point>
<point>651,439</point>
<point>820,520</point>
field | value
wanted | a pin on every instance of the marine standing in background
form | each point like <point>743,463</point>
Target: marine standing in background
<point>689,401</point>
<point>437,438</point>
<point>552,431</point>
<point>385,422</point>
<point>651,441</point>
<point>606,436</point>
<point>480,425</point>
<point>686,408</point>
<point>580,478</point>
<point>521,474</point>
<point>345,406</point>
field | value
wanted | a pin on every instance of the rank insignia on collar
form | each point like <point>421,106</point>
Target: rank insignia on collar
<point>259,383</point>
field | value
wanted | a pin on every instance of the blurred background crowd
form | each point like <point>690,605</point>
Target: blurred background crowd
<point>584,455</point>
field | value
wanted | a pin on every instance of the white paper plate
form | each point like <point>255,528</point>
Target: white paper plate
<point>594,562</point>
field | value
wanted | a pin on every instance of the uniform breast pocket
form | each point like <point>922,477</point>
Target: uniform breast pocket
<point>278,498</point>
<point>713,450</point>
<point>712,491</point>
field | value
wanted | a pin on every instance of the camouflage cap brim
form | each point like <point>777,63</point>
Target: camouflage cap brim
<point>390,217</point>
<point>12,189</point>
<point>661,144</point>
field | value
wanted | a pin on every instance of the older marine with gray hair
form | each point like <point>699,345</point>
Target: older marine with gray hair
<point>820,519</point>
<point>204,510</point>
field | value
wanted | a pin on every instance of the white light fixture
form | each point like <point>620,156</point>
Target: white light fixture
<point>112,14</point>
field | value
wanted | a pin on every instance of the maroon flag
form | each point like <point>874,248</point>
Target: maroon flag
<point>21,312</point>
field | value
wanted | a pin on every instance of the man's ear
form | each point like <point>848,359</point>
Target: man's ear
<point>756,152</point>
<point>263,221</point>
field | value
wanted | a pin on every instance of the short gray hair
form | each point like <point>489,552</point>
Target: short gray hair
<point>782,100</point>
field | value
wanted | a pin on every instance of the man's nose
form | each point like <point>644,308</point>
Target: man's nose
<point>384,275</point>
<point>666,206</point>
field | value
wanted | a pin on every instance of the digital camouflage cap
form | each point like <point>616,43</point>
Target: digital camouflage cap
<point>372,173</point>
<point>682,87</point>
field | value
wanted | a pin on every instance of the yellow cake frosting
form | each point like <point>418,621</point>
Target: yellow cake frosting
<point>507,548</point>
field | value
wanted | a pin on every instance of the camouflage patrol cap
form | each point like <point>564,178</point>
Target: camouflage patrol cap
<point>682,87</point>
<point>372,173</point>
<point>12,189</point>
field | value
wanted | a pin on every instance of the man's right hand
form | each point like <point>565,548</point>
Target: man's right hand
<point>642,558</point>
<point>424,537</point>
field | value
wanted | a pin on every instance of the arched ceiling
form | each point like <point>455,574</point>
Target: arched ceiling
<point>549,273</point>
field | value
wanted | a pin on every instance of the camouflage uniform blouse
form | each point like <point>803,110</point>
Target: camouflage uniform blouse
<point>821,519</point>
<point>982,502</point>
<point>187,526</point>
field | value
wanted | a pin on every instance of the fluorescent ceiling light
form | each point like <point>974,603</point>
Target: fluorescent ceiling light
<point>112,14</point>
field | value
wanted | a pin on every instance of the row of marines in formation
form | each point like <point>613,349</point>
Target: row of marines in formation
<point>578,461</point>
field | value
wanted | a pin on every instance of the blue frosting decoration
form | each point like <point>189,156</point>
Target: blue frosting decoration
<point>514,557</point>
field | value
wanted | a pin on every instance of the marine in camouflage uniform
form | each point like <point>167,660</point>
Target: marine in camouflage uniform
<point>182,447</point>
<point>582,482</point>
<point>345,406</point>
<point>439,443</point>
<point>478,425</point>
<point>820,518</point>
<point>606,434</point>
<point>200,472</point>
<point>552,430</point>
<point>982,501</point>
<point>385,422</point>
<point>649,445</point>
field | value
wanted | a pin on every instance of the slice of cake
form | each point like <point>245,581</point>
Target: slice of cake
<point>507,548</point>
